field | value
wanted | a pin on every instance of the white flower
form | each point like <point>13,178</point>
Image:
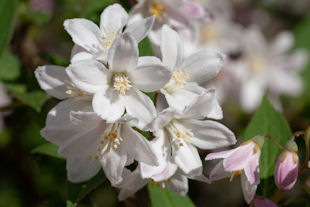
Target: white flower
<point>183,131</point>
<point>54,80</point>
<point>171,12</point>
<point>93,143</point>
<point>267,67</point>
<point>165,175</point>
<point>188,72</point>
<point>118,88</point>
<point>94,42</point>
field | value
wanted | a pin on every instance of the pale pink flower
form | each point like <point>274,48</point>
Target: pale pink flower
<point>286,171</point>
<point>242,160</point>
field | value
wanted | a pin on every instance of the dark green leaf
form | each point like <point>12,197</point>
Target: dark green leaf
<point>77,191</point>
<point>7,8</point>
<point>34,99</point>
<point>145,48</point>
<point>267,121</point>
<point>95,6</point>
<point>164,198</point>
<point>47,149</point>
<point>9,66</point>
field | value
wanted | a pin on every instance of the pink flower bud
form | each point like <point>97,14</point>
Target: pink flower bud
<point>263,202</point>
<point>286,170</point>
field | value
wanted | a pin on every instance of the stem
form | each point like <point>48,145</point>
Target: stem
<point>278,195</point>
<point>297,134</point>
<point>306,138</point>
<point>293,199</point>
<point>274,141</point>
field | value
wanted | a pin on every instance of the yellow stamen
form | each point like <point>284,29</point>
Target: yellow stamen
<point>237,172</point>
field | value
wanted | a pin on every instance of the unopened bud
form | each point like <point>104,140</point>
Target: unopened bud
<point>286,170</point>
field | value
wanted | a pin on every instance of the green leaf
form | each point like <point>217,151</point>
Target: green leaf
<point>164,198</point>
<point>7,8</point>
<point>302,34</point>
<point>47,149</point>
<point>95,6</point>
<point>267,121</point>
<point>9,66</point>
<point>15,87</point>
<point>145,48</point>
<point>70,204</point>
<point>77,191</point>
<point>34,99</point>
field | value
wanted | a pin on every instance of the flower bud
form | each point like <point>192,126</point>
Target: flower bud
<point>263,202</point>
<point>286,170</point>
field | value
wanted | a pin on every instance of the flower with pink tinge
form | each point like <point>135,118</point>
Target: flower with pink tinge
<point>263,202</point>
<point>242,160</point>
<point>286,171</point>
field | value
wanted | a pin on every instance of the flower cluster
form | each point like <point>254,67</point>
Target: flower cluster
<point>103,106</point>
<point>254,65</point>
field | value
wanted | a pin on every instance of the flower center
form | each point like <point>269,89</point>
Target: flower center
<point>209,34</point>
<point>109,141</point>
<point>72,90</point>
<point>158,11</point>
<point>121,83</point>
<point>160,184</point>
<point>179,133</point>
<point>179,79</point>
<point>257,64</point>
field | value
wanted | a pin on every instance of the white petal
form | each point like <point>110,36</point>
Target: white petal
<point>85,34</point>
<point>165,169</point>
<point>123,54</point>
<point>139,29</point>
<point>89,75</point>
<point>178,184</point>
<point>187,158</point>
<point>204,105</point>
<point>171,48</point>
<point>251,94</point>
<point>139,106</point>
<point>80,169</point>
<point>108,105</point>
<point>132,182</point>
<point>81,56</point>
<point>59,127</point>
<point>150,77</point>
<point>83,143</point>
<point>113,19</point>
<point>248,189</point>
<point>182,97</point>
<point>209,134</point>
<point>137,146</point>
<point>113,163</point>
<point>162,119</point>
<point>203,66</point>
<point>282,43</point>
<point>52,79</point>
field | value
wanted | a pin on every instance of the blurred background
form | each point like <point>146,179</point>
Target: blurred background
<point>37,37</point>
